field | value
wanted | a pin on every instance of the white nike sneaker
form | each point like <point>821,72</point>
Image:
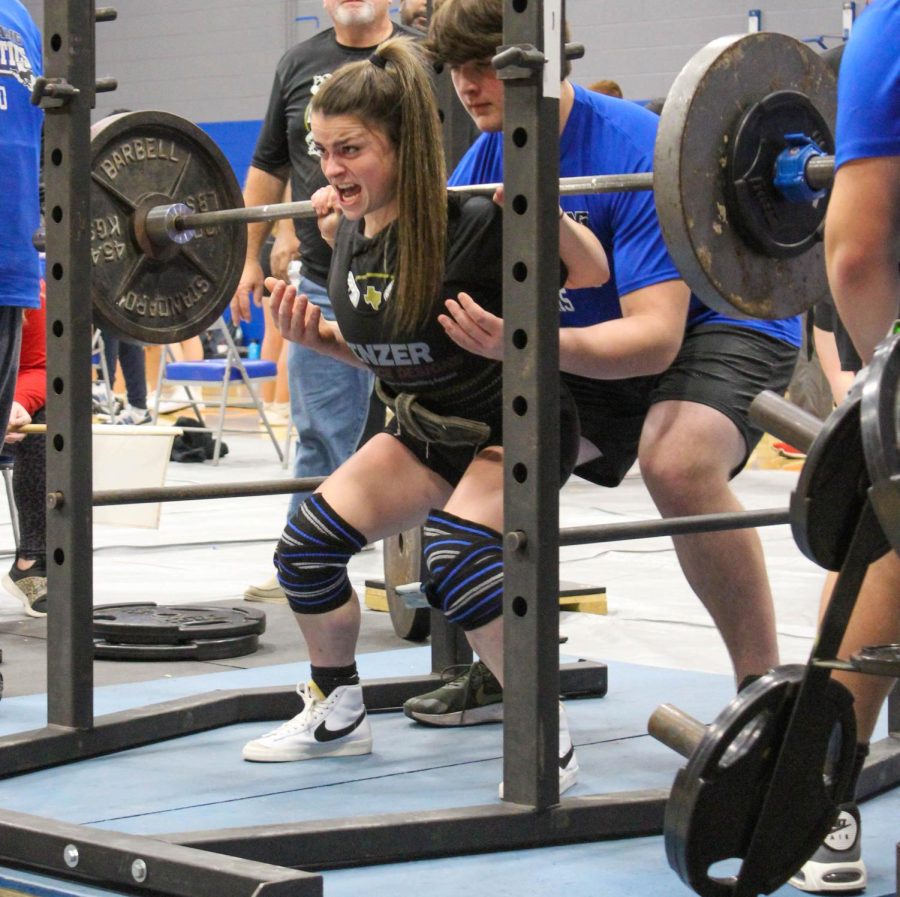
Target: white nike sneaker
<point>568,762</point>
<point>336,726</point>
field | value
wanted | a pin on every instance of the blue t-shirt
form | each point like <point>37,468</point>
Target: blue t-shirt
<point>20,154</point>
<point>868,120</point>
<point>608,136</point>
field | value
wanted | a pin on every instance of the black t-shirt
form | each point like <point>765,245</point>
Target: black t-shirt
<point>285,139</point>
<point>447,379</point>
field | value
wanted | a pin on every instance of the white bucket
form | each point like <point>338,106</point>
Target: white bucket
<point>130,458</point>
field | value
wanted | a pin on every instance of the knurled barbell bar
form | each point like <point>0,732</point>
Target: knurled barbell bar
<point>739,195</point>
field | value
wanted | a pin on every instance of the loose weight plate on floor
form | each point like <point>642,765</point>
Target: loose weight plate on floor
<point>200,649</point>
<point>153,624</point>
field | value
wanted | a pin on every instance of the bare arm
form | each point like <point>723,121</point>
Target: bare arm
<point>580,250</point>
<point>261,188</point>
<point>644,341</point>
<point>583,255</point>
<point>286,247</point>
<point>862,248</point>
<point>299,321</point>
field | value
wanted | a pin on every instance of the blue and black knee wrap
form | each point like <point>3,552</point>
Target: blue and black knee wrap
<point>311,558</point>
<point>465,569</point>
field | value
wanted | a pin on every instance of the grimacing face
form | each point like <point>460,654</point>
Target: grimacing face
<point>360,162</point>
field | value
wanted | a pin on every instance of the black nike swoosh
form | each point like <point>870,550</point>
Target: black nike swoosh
<point>323,733</point>
<point>566,757</point>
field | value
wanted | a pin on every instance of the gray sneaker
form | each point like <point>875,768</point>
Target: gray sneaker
<point>268,592</point>
<point>471,696</point>
<point>837,866</point>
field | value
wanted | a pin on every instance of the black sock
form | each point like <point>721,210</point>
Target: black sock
<point>859,760</point>
<point>330,678</point>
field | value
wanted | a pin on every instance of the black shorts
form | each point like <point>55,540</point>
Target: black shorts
<point>719,365</point>
<point>451,462</point>
<point>824,316</point>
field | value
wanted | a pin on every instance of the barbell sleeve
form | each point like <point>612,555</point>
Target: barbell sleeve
<point>790,423</point>
<point>820,172</point>
<point>676,729</point>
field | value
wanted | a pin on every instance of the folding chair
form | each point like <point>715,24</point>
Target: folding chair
<point>98,361</point>
<point>222,372</point>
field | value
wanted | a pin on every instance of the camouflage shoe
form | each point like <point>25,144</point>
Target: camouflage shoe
<point>30,587</point>
<point>470,696</point>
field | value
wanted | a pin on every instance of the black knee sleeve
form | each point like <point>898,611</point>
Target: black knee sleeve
<point>312,555</point>
<point>465,569</point>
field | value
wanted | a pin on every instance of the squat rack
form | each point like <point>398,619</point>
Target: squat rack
<point>191,864</point>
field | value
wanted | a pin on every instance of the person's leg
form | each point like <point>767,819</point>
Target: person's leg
<point>365,492</point>
<point>687,454</point>
<point>697,436</point>
<point>362,500</point>
<point>111,354</point>
<point>478,498</point>
<point>839,380</point>
<point>10,344</point>
<point>134,372</point>
<point>464,554</point>
<point>329,404</point>
<point>30,488</point>
<point>837,865</point>
<point>27,579</point>
<point>875,621</point>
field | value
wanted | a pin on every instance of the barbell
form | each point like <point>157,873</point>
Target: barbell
<point>740,168</point>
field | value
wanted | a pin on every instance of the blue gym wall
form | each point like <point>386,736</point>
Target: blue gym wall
<point>211,61</point>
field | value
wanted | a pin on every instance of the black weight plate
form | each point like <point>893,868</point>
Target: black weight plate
<point>202,649</point>
<point>880,424</point>
<point>878,660</point>
<point>716,800</point>
<point>140,159</point>
<point>708,99</point>
<point>153,624</point>
<point>403,564</point>
<point>774,225</point>
<point>832,488</point>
